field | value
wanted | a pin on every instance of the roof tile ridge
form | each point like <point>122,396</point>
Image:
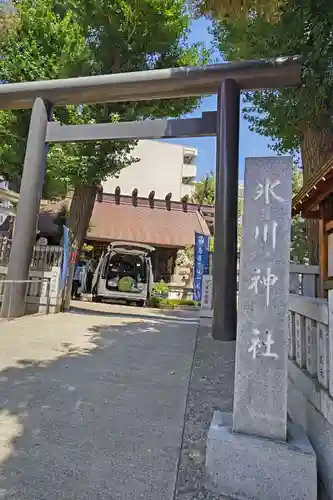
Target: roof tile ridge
<point>202,222</point>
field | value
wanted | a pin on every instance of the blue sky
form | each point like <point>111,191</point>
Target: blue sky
<point>251,144</point>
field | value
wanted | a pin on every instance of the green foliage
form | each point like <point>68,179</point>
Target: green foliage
<point>160,303</point>
<point>42,44</point>
<point>87,248</point>
<point>299,250</point>
<point>292,116</point>
<point>178,302</point>
<point>53,39</point>
<point>154,301</point>
<point>161,288</point>
<point>125,27</point>
<point>204,191</point>
<point>39,45</point>
<point>88,163</point>
<point>238,8</point>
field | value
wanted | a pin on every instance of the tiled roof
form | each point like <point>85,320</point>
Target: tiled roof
<point>142,224</point>
<point>128,221</point>
<point>315,190</point>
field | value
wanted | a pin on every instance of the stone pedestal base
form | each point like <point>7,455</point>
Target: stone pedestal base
<point>250,468</point>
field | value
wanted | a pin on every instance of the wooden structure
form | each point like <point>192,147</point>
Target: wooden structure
<point>165,224</point>
<point>315,201</point>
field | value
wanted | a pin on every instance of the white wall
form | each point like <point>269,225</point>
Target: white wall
<point>159,169</point>
<point>186,190</point>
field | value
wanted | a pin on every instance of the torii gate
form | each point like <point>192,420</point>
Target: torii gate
<point>227,80</point>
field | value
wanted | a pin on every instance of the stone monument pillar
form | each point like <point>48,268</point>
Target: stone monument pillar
<point>253,454</point>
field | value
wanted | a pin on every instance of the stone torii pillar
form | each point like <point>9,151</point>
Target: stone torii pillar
<point>226,212</point>
<point>27,214</point>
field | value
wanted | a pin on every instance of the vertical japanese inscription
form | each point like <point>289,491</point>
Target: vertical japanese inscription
<point>265,190</point>
<point>262,332</point>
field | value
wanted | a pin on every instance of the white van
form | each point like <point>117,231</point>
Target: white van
<point>124,273</point>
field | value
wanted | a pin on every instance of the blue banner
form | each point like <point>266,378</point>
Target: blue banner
<point>65,245</point>
<point>200,263</point>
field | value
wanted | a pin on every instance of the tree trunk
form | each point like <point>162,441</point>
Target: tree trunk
<point>316,149</point>
<point>81,211</point>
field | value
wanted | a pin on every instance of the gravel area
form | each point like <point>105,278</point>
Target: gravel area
<point>211,388</point>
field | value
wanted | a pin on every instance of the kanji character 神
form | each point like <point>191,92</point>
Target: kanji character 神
<point>268,281</point>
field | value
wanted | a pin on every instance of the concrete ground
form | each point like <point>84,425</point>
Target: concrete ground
<point>108,402</point>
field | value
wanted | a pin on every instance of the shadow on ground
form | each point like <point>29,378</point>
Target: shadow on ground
<point>113,310</point>
<point>98,419</point>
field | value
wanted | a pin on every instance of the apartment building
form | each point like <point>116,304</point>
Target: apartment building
<point>161,167</point>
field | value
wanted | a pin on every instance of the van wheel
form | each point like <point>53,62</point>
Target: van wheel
<point>140,303</point>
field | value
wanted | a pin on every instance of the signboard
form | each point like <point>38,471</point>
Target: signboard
<point>200,263</point>
<point>73,257</point>
<point>207,292</point>
<point>65,258</point>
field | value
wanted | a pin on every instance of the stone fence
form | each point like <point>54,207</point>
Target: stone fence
<point>43,290</point>
<point>310,372</point>
<point>44,257</point>
<point>44,285</point>
<point>304,280</point>
<point>309,342</point>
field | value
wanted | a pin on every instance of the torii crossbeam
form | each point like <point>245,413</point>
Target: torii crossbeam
<point>226,80</point>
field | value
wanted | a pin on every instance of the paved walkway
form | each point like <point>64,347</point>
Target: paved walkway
<point>93,404</point>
